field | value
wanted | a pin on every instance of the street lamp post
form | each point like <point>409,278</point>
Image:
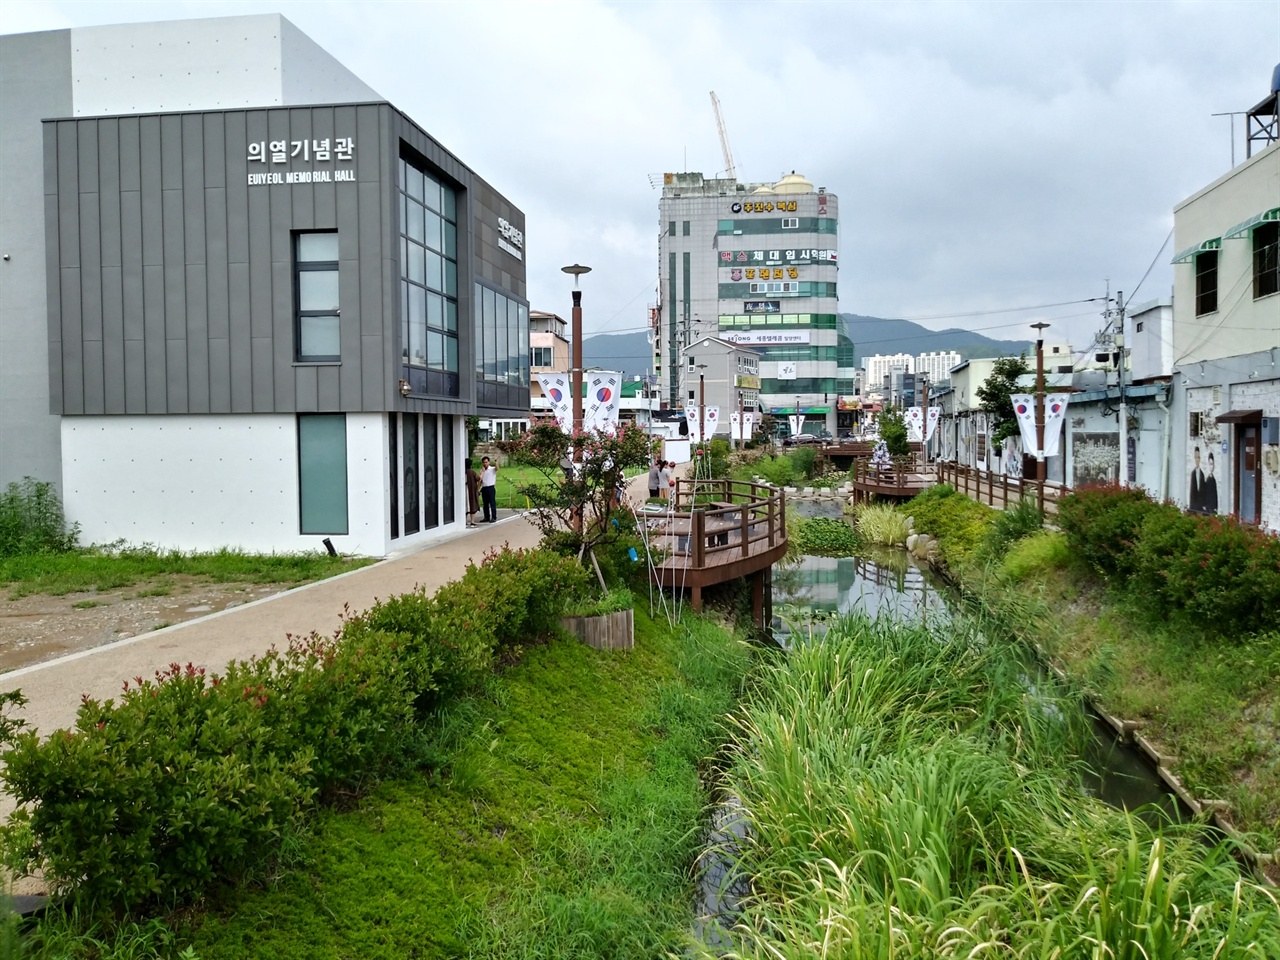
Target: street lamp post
<point>577,270</point>
<point>1039,328</point>
<point>924,418</point>
<point>703,442</point>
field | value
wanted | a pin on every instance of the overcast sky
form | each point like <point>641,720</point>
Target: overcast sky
<point>987,156</point>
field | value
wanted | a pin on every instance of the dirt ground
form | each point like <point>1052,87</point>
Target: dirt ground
<point>37,628</point>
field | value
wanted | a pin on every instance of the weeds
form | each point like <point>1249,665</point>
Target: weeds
<point>882,524</point>
<point>32,521</point>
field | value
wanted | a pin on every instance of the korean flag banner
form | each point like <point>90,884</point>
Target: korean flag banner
<point>691,417</point>
<point>555,387</point>
<point>1055,412</point>
<point>914,421</point>
<point>796,421</point>
<point>748,425</point>
<point>602,403</point>
<point>713,420</point>
<point>934,414</point>
<point>1024,408</point>
<point>735,425</point>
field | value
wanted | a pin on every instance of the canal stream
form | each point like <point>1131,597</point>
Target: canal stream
<point>886,582</point>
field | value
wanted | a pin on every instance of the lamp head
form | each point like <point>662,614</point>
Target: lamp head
<point>576,270</point>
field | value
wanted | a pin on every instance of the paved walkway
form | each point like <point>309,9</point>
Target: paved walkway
<point>53,689</point>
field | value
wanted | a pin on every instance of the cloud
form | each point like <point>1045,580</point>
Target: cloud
<point>986,155</point>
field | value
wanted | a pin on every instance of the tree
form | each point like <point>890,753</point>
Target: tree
<point>893,431</point>
<point>994,397</point>
<point>576,500</point>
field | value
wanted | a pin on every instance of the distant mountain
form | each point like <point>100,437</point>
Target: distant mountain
<point>628,352</point>
<point>631,353</point>
<point>873,335</point>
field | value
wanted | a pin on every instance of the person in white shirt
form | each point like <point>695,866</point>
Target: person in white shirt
<point>489,490</point>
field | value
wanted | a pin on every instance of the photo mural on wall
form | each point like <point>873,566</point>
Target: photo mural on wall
<point>1203,496</point>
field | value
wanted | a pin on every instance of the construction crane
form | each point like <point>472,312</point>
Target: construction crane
<point>724,138</point>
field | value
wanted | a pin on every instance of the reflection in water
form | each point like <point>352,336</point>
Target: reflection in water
<point>886,582</point>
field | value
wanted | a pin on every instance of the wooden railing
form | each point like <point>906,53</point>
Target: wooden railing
<point>902,472</point>
<point>713,522</point>
<point>998,490</point>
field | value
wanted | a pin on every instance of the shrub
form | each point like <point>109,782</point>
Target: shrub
<point>1166,532</point>
<point>881,524</point>
<point>190,779</point>
<point>32,521</point>
<point>779,471</point>
<point>1102,523</point>
<point>826,537</point>
<point>155,797</point>
<point>802,462</point>
<point>1038,553</point>
<point>1010,526</point>
<point>1227,576</point>
<point>958,523</point>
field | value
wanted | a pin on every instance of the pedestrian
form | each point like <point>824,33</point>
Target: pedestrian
<point>655,477</point>
<point>489,490</point>
<point>665,480</point>
<point>473,491</point>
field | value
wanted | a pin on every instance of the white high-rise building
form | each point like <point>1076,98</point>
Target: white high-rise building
<point>879,366</point>
<point>936,365</point>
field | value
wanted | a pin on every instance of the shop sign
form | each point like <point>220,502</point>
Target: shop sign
<point>766,337</point>
<point>848,403</point>
<point>746,381</point>
<point>762,306</point>
<point>766,273</point>
<point>764,206</point>
<point>760,258</point>
<point>510,239</point>
<point>272,152</point>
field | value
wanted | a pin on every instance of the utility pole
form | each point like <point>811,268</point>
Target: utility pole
<point>703,442</point>
<point>1040,465</point>
<point>924,417</point>
<point>1119,358</point>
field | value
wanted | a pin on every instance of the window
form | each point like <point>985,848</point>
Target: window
<point>684,227</point>
<point>317,336</point>
<point>692,362</point>
<point>428,282</point>
<point>692,396</point>
<point>1206,282</point>
<point>671,228</point>
<point>1139,327</point>
<point>542,356</point>
<point>790,223</point>
<point>1266,259</point>
<point>322,473</point>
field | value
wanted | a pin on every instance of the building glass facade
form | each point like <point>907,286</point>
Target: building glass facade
<point>428,282</point>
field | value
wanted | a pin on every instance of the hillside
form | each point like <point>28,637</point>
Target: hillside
<point>630,352</point>
<point>873,335</point>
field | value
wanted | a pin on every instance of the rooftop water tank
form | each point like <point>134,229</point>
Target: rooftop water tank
<point>1275,79</point>
<point>793,183</point>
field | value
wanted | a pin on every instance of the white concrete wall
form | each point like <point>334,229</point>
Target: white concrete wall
<point>1241,324</point>
<point>205,482</point>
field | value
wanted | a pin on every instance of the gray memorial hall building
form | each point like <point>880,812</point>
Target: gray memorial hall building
<point>244,301</point>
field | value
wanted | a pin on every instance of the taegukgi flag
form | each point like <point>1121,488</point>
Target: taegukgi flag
<point>555,387</point>
<point>601,413</point>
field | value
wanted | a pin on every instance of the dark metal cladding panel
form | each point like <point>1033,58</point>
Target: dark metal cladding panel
<point>72,344</point>
<point>306,392</point>
<point>135,379</point>
<point>109,191</point>
<point>328,389</point>
<point>197,339</point>
<point>282,334</point>
<point>176,367</point>
<point>156,352</point>
<point>220,375</point>
<point>175,274</point>
<point>93,385</point>
<point>240,342</point>
<point>193,160</point>
<point>91,267</point>
<point>263,381</point>
<point>68,201</point>
<point>152,200</point>
<point>112,340</point>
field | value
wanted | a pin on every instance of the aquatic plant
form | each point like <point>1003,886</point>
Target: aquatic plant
<point>912,793</point>
<point>882,524</point>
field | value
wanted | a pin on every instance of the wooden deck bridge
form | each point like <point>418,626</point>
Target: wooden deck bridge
<point>715,531</point>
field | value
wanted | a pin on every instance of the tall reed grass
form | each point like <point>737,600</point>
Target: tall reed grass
<point>882,524</point>
<point>912,793</point>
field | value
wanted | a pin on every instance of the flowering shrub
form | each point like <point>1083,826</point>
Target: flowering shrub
<point>959,524</point>
<point>1102,523</point>
<point>1217,570</point>
<point>190,778</point>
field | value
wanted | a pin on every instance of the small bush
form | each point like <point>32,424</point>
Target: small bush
<point>803,460</point>
<point>190,779</point>
<point>1009,526</point>
<point>1102,523</point>
<point>956,522</point>
<point>826,537</point>
<point>32,521</point>
<point>779,471</point>
<point>1038,553</point>
<point>882,524</point>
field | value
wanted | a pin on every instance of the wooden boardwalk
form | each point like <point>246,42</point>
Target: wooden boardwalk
<point>998,490</point>
<point>903,480</point>
<point>715,531</point>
